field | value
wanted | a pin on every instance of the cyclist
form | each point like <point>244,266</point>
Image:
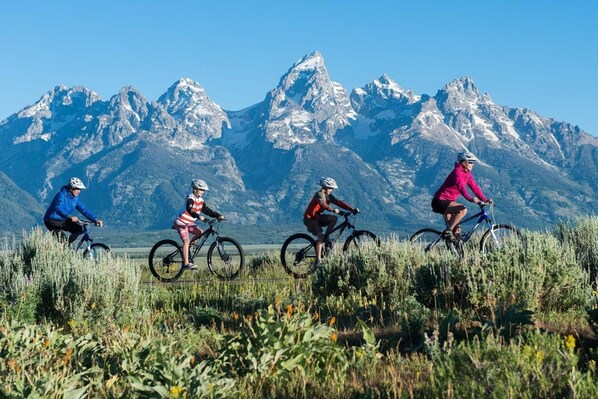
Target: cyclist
<point>58,215</point>
<point>185,221</point>
<point>313,218</point>
<point>444,201</point>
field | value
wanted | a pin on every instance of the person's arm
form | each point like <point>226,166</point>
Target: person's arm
<point>85,211</point>
<point>461,182</point>
<point>321,197</point>
<point>210,212</point>
<point>340,203</point>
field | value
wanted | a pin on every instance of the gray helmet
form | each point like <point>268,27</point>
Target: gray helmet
<point>75,182</point>
<point>466,156</point>
<point>198,184</point>
<point>328,182</point>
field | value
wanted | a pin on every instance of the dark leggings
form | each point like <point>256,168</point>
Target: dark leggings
<point>58,227</point>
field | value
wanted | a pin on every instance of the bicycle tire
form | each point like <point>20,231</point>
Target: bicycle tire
<point>166,260</point>
<point>298,255</point>
<point>224,264</point>
<point>502,234</point>
<point>97,251</point>
<point>359,239</point>
<point>428,240</point>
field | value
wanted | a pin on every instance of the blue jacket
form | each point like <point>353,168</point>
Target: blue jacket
<point>64,204</point>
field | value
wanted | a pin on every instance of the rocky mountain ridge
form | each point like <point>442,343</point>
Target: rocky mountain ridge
<point>388,148</point>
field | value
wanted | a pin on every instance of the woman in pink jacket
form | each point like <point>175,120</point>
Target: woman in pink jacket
<point>444,201</point>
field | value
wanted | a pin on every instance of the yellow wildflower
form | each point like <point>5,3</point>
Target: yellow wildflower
<point>316,315</point>
<point>175,391</point>
<point>289,310</point>
<point>332,321</point>
<point>570,342</point>
<point>539,357</point>
<point>235,316</point>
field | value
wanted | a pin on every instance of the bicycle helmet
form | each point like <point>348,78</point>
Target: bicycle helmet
<point>466,156</point>
<point>198,184</point>
<point>328,182</point>
<point>76,183</point>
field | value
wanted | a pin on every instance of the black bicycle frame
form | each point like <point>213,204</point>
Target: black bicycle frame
<point>202,240</point>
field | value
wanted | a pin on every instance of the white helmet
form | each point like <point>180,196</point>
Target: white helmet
<point>328,182</point>
<point>76,183</point>
<point>198,184</point>
<point>466,156</point>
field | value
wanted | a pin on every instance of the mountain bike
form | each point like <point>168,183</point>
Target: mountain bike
<point>92,250</point>
<point>298,253</point>
<point>495,236</point>
<point>225,256</point>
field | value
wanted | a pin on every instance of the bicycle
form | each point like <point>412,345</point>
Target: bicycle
<point>93,250</point>
<point>494,237</point>
<point>166,260</point>
<point>298,253</point>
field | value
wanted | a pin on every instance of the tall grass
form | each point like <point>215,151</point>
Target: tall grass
<point>582,235</point>
<point>45,280</point>
<point>84,329</point>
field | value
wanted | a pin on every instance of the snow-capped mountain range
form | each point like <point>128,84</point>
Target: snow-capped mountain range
<point>387,147</point>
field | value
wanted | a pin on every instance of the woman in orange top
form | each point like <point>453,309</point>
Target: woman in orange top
<point>313,218</point>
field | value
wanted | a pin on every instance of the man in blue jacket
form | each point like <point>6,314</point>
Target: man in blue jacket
<point>58,216</point>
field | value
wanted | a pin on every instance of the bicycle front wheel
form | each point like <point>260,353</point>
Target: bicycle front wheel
<point>166,260</point>
<point>431,241</point>
<point>498,236</point>
<point>228,259</point>
<point>97,251</point>
<point>361,239</point>
<point>298,255</point>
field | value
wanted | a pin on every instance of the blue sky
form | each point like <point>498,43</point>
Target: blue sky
<point>541,55</point>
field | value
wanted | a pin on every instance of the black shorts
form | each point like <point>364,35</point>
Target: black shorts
<point>439,206</point>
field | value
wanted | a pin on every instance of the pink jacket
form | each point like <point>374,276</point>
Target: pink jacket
<point>456,183</point>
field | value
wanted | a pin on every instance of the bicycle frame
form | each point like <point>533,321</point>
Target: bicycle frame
<point>482,216</point>
<point>85,238</point>
<point>346,224</point>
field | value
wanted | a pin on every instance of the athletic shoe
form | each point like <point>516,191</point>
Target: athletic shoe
<point>190,266</point>
<point>449,236</point>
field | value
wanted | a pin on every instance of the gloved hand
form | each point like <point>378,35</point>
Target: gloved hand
<point>355,211</point>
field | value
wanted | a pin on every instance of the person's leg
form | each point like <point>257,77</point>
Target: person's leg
<point>453,214</point>
<point>55,227</point>
<point>74,228</point>
<point>313,226</point>
<point>186,250</point>
<point>184,234</point>
<point>329,221</point>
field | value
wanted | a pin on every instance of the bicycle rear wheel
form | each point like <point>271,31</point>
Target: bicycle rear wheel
<point>498,236</point>
<point>298,255</point>
<point>431,241</point>
<point>97,251</point>
<point>228,259</point>
<point>166,260</point>
<point>361,239</point>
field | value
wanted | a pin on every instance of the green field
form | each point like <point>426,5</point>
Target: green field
<point>379,322</point>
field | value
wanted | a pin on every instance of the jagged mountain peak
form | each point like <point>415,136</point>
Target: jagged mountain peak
<point>58,96</point>
<point>462,89</point>
<point>187,102</point>
<point>306,105</point>
<point>312,61</point>
<point>464,84</point>
<point>386,87</point>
